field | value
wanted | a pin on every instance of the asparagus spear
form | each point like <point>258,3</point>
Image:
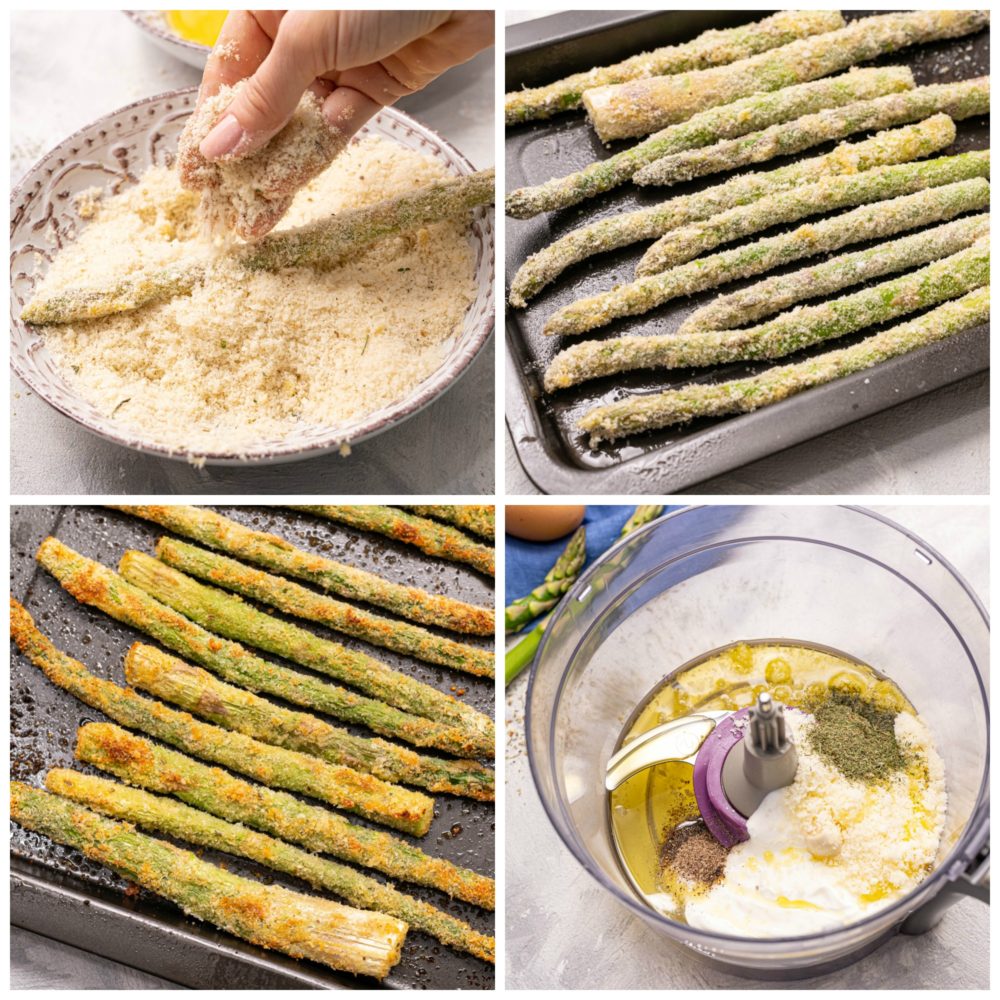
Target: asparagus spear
<point>643,514</point>
<point>641,413</point>
<point>829,193</point>
<point>294,599</point>
<point>958,100</point>
<point>480,519</point>
<point>218,532</point>
<point>302,926</point>
<point>197,691</point>
<point>711,48</point>
<point>790,332</point>
<point>94,584</point>
<point>319,244</point>
<point>340,786</point>
<point>774,294</point>
<point>557,581</point>
<point>230,616</point>
<point>649,223</point>
<point>147,765</point>
<point>865,223</point>
<point>430,537</point>
<point>746,115</point>
<point>639,107</point>
<point>154,812</point>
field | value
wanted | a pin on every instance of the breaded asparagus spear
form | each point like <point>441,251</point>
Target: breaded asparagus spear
<point>94,584</point>
<point>792,331</point>
<point>197,691</point>
<point>865,223</point>
<point>739,118</point>
<point>643,106</point>
<point>710,48</point>
<point>235,539</point>
<point>641,413</point>
<point>431,538</point>
<point>147,765</point>
<point>896,146</point>
<point>480,519</point>
<point>557,581</point>
<point>829,193</point>
<point>294,599</point>
<point>340,786</point>
<point>957,100</point>
<point>319,244</point>
<point>154,812</point>
<point>774,294</point>
<point>302,926</point>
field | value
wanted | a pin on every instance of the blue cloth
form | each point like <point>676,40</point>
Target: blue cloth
<point>528,562</point>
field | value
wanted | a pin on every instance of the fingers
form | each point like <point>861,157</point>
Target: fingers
<point>243,44</point>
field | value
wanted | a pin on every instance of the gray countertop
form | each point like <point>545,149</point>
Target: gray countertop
<point>565,932</point>
<point>447,448</point>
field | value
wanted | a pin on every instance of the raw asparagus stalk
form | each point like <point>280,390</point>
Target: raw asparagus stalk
<point>294,599</point>
<point>154,812</point>
<point>774,294</point>
<point>958,100</point>
<point>711,48</point>
<point>557,581</point>
<point>431,538</point>
<point>157,769</point>
<point>230,616</point>
<point>749,114</point>
<point>793,331</point>
<point>340,786</point>
<point>197,691</point>
<point>896,146</point>
<point>91,583</point>
<point>643,514</point>
<point>480,519</point>
<point>218,532</point>
<point>641,413</point>
<point>302,926</point>
<point>643,106</point>
<point>868,222</point>
<point>320,244</point>
<point>827,194</point>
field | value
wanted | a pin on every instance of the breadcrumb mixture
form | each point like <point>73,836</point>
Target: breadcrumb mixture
<point>249,358</point>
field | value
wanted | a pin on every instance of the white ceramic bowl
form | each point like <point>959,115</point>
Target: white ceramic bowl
<point>154,26</point>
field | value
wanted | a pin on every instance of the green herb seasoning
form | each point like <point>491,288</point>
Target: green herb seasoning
<point>856,737</point>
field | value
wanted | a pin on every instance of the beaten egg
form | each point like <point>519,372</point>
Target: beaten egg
<point>199,26</point>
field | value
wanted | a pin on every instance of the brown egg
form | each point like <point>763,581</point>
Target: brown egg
<point>542,522</point>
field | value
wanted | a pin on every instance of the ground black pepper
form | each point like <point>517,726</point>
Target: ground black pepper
<point>693,854</point>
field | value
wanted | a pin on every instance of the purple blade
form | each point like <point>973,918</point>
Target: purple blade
<point>725,824</point>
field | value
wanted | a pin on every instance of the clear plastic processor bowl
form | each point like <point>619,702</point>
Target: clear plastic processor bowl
<point>708,576</point>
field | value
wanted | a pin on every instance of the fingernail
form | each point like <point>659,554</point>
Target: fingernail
<point>223,139</point>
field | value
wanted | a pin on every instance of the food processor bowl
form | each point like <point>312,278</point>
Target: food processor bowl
<point>706,577</point>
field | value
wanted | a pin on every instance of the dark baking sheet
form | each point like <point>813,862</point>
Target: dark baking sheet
<point>58,892</point>
<point>554,454</point>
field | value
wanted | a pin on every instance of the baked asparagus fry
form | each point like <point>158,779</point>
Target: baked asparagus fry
<point>868,222</point>
<point>641,413</point>
<point>739,118</point>
<point>230,616</point>
<point>639,107</point>
<point>898,145</point>
<point>197,691</point>
<point>294,599</point>
<point>164,815</point>
<point>233,538</point>
<point>711,48</point>
<point>774,294</point>
<point>828,193</point>
<point>790,332</point>
<point>157,769</point>
<point>340,786</point>
<point>431,538</point>
<point>319,244</point>
<point>557,581</point>
<point>957,100</point>
<point>302,926</point>
<point>480,519</point>
<point>91,583</point>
